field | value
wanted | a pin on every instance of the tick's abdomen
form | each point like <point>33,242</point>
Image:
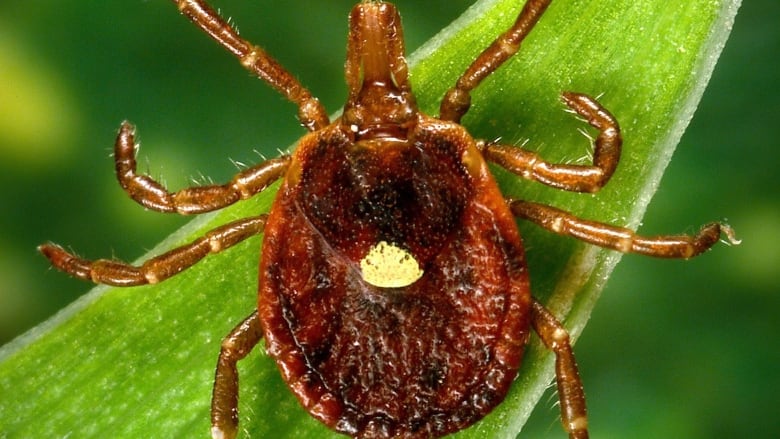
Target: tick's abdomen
<point>419,360</point>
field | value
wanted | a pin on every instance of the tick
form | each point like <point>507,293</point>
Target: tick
<point>393,291</point>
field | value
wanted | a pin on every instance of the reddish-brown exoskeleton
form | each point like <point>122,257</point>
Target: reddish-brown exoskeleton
<point>393,291</point>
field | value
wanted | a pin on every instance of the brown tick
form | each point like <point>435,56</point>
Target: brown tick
<point>393,291</point>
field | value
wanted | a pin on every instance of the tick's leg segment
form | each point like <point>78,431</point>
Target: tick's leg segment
<point>103,271</point>
<point>574,415</point>
<point>155,196</point>
<point>619,238</point>
<point>578,178</point>
<point>458,99</point>
<point>224,399</point>
<point>310,112</point>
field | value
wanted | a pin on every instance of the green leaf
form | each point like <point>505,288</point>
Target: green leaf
<point>138,362</point>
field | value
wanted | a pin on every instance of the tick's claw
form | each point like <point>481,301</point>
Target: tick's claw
<point>731,236</point>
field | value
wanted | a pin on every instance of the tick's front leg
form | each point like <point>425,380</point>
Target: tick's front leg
<point>152,195</point>
<point>224,399</point>
<point>458,99</point>
<point>104,271</point>
<point>311,113</point>
<point>620,238</point>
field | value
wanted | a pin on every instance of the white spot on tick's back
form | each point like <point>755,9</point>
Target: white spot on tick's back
<point>389,266</point>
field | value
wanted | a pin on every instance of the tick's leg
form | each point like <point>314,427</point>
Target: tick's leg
<point>152,195</point>
<point>103,271</point>
<point>619,238</point>
<point>574,415</point>
<point>458,99</point>
<point>310,112</point>
<point>578,178</point>
<point>224,399</point>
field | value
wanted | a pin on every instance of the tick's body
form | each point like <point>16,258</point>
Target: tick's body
<point>426,356</point>
<point>423,359</point>
<point>393,290</point>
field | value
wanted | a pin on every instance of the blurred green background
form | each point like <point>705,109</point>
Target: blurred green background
<point>674,349</point>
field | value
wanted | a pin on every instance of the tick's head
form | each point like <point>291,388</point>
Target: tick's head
<point>380,103</point>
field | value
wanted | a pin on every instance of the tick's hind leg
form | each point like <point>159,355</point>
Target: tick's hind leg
<point>103,271</point>
<point>620,238</point>
<point>152,195</point>
<point>574,415</point>
<point>578,178</point>
<point>224,399</point>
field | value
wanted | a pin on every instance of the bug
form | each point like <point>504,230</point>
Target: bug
<point>394,294</point>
